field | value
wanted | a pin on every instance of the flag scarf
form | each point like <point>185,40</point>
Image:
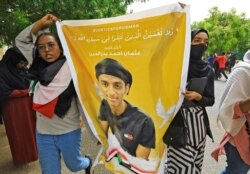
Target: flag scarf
<point>45,97</point>
<point>154,45</point>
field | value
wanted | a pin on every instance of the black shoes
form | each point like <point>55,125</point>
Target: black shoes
<point>88,169</point>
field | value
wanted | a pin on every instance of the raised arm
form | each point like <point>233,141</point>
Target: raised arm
<point>26,38</point>
<point>43,23</point>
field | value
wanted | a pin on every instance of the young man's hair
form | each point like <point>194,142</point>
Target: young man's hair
<point>112,67</point>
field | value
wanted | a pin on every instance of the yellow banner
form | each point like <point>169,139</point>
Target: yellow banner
<point>130,98</point>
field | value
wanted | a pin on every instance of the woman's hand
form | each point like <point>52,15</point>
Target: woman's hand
<point>48,20</point>
<point>182,5</point>
<point>44,22</point>
<point>192,95</point>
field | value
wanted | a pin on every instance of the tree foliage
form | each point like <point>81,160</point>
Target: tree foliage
<point>15,15</point>
<point>228,31</point>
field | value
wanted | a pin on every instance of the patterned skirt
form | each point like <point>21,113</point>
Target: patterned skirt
<point>189,160</point>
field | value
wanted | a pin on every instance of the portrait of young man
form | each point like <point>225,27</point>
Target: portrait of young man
<point>133,128</point>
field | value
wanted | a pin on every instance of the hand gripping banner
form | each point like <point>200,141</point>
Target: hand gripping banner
<point>129,72</point>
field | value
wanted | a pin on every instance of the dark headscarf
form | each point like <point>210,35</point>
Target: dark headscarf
<point>112,67</point>
<point>39,65</point>
<point>196,31</point>
<point>10,77</point>
<point>45,72</point>
<point>197,67</point>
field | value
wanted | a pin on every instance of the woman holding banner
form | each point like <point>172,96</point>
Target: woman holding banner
<point>55,100</point>
<point>189,159</point>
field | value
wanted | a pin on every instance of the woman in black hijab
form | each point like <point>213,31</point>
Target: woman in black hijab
<point>20,121</point>
<point>10,78</point>
<point>11,66</point>
<point>189,159</point>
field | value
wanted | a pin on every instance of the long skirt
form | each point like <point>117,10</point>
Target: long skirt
<point>189,159</point>
<point>20,121</point>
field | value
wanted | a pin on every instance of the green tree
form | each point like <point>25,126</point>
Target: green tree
<point>228,31</point>
<point>17,14</point>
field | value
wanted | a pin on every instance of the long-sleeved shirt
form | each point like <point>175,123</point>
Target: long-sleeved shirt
<point>232,119</point>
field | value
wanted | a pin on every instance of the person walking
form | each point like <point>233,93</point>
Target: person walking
<point>216,67</point>
<point>55,100</point>
<point>189,159</point>
<point>210,60</point>
<point>222,65</point>
<point>234,117</point>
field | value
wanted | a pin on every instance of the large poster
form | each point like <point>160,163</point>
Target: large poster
<point>129,72</point>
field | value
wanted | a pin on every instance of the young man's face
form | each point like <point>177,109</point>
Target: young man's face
<point>113,89</point>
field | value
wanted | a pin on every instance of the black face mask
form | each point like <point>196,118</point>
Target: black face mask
<point>197,51</point>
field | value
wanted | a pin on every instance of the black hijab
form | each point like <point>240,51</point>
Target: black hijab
<point>10,76</point>
<point>197,67</point>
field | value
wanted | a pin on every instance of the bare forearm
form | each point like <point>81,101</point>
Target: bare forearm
<point>43,23</point>
<point>37,27</point>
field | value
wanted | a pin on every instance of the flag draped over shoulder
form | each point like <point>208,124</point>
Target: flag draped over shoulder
<point>154,45</point>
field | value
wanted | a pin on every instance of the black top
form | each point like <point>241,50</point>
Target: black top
<point>131,128</point>
<point>208,98</point>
